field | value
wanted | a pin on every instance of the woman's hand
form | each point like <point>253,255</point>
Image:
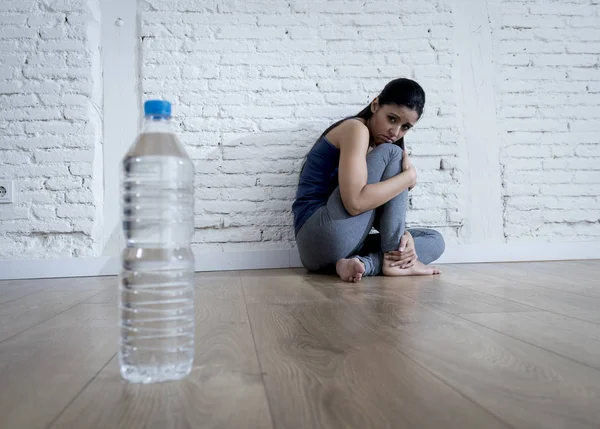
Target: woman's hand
<point>409,169</point>
<point>406,255</point>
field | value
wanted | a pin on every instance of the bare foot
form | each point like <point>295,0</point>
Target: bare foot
<point>350,270</point>
<point>419,269</point>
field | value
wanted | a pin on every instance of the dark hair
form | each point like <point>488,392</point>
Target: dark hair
<point>403,92</point>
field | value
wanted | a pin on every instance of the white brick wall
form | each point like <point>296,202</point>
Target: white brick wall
<point>254,84</point>
<point>49,127</point>
<point>548,55</point>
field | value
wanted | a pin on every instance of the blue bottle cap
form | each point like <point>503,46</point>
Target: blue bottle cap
<point>157,108</point>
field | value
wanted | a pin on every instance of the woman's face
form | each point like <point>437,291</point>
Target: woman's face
<point>390,122</point>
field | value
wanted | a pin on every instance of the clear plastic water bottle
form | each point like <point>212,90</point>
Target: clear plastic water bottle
<point>156,299</point>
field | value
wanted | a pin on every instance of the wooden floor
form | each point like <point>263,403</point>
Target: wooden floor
<point>481,346</point>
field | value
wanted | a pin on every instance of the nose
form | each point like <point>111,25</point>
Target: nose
<point>395,132</point>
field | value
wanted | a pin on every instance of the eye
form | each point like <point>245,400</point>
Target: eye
<point>392,119</point>
<point>405,128</point>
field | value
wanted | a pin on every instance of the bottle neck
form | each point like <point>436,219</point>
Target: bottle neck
<point>157,124</point>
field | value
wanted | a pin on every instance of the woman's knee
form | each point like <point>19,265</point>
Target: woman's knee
<point>388,151</point>
<point>439,244</point>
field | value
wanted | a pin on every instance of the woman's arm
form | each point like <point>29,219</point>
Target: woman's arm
<point>358,196</point>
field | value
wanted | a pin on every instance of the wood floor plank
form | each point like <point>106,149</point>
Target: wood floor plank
<point>553,300</point>
<point>225,388</point>
<point>382,297</point>
<point>23,313</point>
<point>575,339</point>
<point>107,296</point>
<point>45,367</point>
<point>526,386</point>
<point>562,275</point>
<point>14,289</point>
<point>205,399</point>
<point>281,289</point>
<point>327,366</point>
<point>457,300</point>
<point>481,346</point>
<point>219,285</point>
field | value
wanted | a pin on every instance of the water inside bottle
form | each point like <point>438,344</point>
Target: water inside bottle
<point>157,277</point>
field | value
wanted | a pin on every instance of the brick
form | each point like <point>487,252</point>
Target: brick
<point>251,85</point>
<point>14,157</point>
<point>83,225</point>
<point>46,19</point>
<point>588,150</point>
<point>587,177</point>
<point>571,216</point>
<point>18,100</point>
<point>572,164</point>
<point>63,183</point>
<point>244,194</point>
<point>527,151</point>
<point>31,114</point>
<point>33,171</point>
<point>13,213</point>
<point>561,9</point>
<point>41,197</point>
<point>17,5</point>
<point>44,212</point>
<point>13,19</point>
<point>81,169</point>
<point>50,226</point>
<point>75,211</point>
<point>585,125</point>
<point>248,33</point>
<point>225,235</point>
<point>582,47</point>
<point>570,190</point>
<point>53,127</point>
<point>261,166</point>
<point>63,155</point>
<point>79,196</point>
<point>541,177</point>
<point>264,219</point>
<point>62,45</point>
<point>256,112</point>
<point>540,202</point>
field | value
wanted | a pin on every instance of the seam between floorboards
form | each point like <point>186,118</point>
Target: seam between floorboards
<point>43,321</point>
<point>260,367</point>
<point>24,296</point>
<point>443,381</point>
<point>535,285</point>
<point>510,336</point>
<point>454,389</point>
<point>54,420</point>
<point>527,342</point>
<point>517,302</point>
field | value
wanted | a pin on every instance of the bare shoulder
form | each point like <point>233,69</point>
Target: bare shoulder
<point>352,131</point>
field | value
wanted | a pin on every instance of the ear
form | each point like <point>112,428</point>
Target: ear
<point>375,105</point>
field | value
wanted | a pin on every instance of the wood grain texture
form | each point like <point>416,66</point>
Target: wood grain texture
<point>212,399</point>
<point>562,276</point>
<point>224,390</point>
<point>481,346</point>
<point>14,289</point>
<point>20,314</point>
<point>575,339</point>
<point>457,300</point>
<point>327,366</point>
<point>46,366</point>
<point>524,385</point>
<point>526,293</point>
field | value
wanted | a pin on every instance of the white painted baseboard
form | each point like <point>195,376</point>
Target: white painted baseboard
<point>286,258</point>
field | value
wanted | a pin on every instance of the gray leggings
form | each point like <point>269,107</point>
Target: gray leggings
<point>331,233</point>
